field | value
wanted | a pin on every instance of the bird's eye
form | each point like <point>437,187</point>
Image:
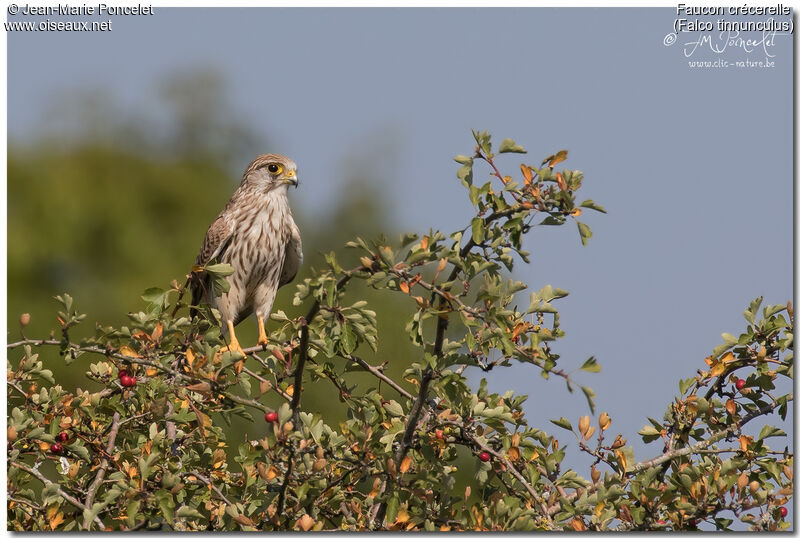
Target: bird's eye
<point>274,168</point>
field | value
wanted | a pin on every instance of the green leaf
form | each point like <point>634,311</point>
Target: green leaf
<point>591,205</point>
<point>132,511</point>
<point>649,433</point>
<point>219,269</point>
<point>563,423</point>
<point>591,365</point>
<point>477,230</point>
<point>394,408</point>
<point>589,393</point>
<point>166,504</point>
<point>348,340</point>
<point>79,450</point>
<point>465,174</point>
<point>509,146</point>
<point>684,384</point>
<point>462,159</point>
<point>154,295</point>
<point>188,511</point>
<point>585,232</point>
<point>391,508</point>
<point>770,431</point>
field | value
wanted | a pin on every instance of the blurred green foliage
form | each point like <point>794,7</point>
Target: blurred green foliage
<point>103,210</point>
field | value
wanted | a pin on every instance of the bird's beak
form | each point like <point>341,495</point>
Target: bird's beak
<point>291,178</point>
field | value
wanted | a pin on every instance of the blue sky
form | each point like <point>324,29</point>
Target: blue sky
<point>694,165</point>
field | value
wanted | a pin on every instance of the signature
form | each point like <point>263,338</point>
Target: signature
<point>732,39</point>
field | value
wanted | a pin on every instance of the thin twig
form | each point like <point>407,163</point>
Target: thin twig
<point>209,483</point>
<point>285,484</point>
<point>532,492</point>
<point>672,454</point>
<point>47,482</point>
<point>297,388</point>
<point>98,479</point>
<point>374,370</point>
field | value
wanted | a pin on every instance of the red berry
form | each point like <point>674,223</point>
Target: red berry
<point>62,437</point>
<point>123,373</point>
<point>56,448</point>
<point>272,416</point>
<point>127,381</point>
<point>484,456</point>
<point>662,522</point>
<point>740,383</point>
<point>439,434</point>
<point>784,511</point>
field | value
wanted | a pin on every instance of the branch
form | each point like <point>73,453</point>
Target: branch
<point>98,479</point>
<point>210,484</point>
<point>244,401</point>
<point>47,482</point>
<point>702,445</point>
<point>301,361</point>
<point>276,388</point>
<point>105,353</point>
<point>374,370</point>
<point>532,492</point>
<point>285,484</point>
<point>672,454</point>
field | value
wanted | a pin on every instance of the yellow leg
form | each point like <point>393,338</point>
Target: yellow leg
<point>262,333</point>
<point>234,345</point>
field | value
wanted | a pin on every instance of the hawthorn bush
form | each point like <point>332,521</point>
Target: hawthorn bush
<point>143,446</point>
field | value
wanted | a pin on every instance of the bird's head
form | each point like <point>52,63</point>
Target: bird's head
<point>271,171</point>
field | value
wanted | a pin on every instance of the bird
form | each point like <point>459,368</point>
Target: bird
<point>257,236</point>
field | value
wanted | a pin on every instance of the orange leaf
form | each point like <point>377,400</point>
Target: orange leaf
<point>578,525</point>
<point>561,183</point>
<point>717,369</point>
<point>277,354</point>
<point>272,472</point>
<point>127,351</point>
<point>553,160</point>
<point>745,441</point>
<point>264,386</point>
<point>56,520</point>
<point>621,458</point>
<point>441,266</point>
<point>526,173</point>
<point>244,520</point>
<point>157,332</point>
<point>405,465</point>
<point>190,356</point>
<point>583,424</point>
<point>730,407</point>
<point>402,516</point>
<point>424,242</point>
<point>305,522</point>
<point>404,287</point>
<point>200,387</point>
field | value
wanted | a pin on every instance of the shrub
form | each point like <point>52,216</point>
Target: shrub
<point>145,448</point>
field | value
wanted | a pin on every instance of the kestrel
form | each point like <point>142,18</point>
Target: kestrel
<point>257,236</point>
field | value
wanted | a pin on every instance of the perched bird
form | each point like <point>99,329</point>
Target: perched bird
<point>258,237</point>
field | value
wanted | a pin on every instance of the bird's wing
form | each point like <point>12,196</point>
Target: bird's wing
<point>293,258</point>
<point>217,239</point>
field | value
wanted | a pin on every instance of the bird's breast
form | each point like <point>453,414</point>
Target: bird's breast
<point>262,238</point>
